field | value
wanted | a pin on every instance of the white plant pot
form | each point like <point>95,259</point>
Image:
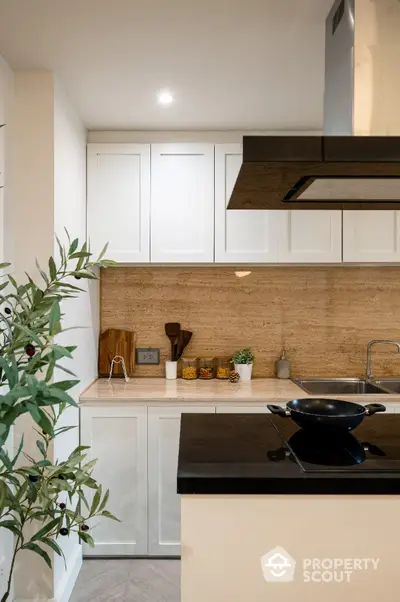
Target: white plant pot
<point>244,371</point>
<point>171,370</point>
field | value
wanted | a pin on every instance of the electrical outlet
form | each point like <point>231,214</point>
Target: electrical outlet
<point>147,356</point>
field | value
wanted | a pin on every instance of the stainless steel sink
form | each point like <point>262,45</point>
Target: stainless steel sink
<point>392,385</point>
<point>340,386</point>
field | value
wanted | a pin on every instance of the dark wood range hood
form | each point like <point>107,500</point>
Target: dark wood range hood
<point>318,172</point>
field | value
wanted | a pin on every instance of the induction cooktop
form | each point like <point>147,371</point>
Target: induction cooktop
<point>370,448</point>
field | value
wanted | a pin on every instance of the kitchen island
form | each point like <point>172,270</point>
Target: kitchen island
<point>263,517</point>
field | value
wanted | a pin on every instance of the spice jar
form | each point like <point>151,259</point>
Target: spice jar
<point>189,368</point>
<point>206,367</point>
<point>222,367</point>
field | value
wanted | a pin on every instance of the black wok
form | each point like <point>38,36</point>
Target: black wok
<point>326,414</point>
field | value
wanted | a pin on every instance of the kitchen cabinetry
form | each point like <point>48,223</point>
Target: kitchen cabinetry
<point>164,503</point>
<point>371,236</point>
<point>311,236</point>
<point>186,221</point>
<point>182,203</point>
<point>240,236</point>
<point>118,200</point>
<point>118,438</point>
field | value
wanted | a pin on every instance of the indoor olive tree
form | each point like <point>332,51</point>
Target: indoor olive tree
<point>42,499</point>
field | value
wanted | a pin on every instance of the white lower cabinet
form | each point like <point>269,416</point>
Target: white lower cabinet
<point>137,450</point>
<point>117,436</point>
<point>164,502</point>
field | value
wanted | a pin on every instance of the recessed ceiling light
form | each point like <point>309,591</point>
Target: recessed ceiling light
<point>165,97</point>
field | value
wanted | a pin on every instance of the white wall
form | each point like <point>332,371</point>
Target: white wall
<point>70,213</point>
<point>49,149</point>
<point>6,98</point>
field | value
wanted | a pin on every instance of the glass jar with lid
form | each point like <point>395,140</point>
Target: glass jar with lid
<point>222,367</point>
<point>206,367</point>
<point>189,368</point>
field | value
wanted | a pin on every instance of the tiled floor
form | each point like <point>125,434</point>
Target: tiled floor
<point>128,580</point>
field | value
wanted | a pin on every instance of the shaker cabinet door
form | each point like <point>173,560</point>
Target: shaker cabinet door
<point>311,236</point>
<point>164,502</point>
<point>240,236</point>
<point>118,201</point>
<point>118,438</point>
<point>371,236</point>
<point>182,203</point>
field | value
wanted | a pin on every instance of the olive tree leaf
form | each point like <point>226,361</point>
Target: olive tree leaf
<point>62,396</point>
<point>96,500</point>
<point>54,320</point>
<point>102,252</point>
<point>45,422</point>
<point>73,246</point>
<point>52,269</point>
<point>108,514</point>
<point>60,352</point>
<point>42,273</point>
<point>104,501</point>
<point>46,529</point>
<point>40,445</point>
<point>65,385</point>
<point>29,333</point>
<point>35,548</point>
<point>86,538</point>
<point>11,525</point>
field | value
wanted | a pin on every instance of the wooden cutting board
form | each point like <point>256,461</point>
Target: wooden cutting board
<point>114,342</point>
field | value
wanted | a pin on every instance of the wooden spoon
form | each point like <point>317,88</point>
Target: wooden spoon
<point>172,330</point>
<point>184,340</point>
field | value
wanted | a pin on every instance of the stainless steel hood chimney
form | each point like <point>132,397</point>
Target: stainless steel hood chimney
<point>338,170</point>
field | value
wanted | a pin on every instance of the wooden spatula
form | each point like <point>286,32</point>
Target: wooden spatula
<point>184,340</point>
<point>172,330</point>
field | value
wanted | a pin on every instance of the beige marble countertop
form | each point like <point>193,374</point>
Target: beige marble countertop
<point>152,391</point>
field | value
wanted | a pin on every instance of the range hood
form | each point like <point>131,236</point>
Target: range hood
<point>318,172</point>
<point>339,170</point>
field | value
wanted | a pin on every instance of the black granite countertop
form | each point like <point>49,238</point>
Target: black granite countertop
<point>237,454</point>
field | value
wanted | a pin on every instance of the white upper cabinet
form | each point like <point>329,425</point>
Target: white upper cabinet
<point>118,203</point>
<point>240,236</point>
<point>182,203</point>
<point>310,236</point>
<point>371,236</point>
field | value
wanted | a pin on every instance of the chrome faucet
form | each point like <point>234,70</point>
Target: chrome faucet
<point>368,372</point>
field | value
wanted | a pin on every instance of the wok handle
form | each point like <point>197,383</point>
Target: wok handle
<point>278,410</point>
<point>373,408</point>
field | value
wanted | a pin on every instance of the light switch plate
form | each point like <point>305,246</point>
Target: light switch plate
<point>148,355</point>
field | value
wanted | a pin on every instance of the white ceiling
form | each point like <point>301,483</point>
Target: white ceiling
<point>232,64</point>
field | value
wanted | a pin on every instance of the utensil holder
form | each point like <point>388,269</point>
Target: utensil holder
<point>171,370</point>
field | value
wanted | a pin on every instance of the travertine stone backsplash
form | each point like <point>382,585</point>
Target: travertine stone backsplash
<point>324,316</point>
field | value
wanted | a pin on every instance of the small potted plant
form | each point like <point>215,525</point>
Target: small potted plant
<point>243,361</point>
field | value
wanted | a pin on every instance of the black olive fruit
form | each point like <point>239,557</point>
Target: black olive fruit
<point>62,506</point>
<point>78,277</point>
<point>30,350</point>
<point>64,531</point>
<point>7,310</point>
<point>84,528</point>
<point>33,478</point>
